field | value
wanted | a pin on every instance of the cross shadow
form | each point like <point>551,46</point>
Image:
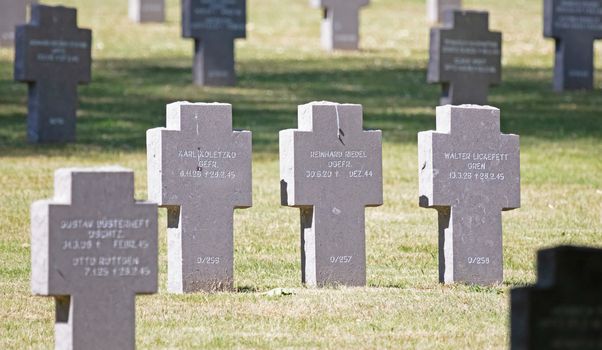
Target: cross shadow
<point>127,97</point>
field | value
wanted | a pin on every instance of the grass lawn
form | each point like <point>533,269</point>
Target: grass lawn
<point>138,69</point>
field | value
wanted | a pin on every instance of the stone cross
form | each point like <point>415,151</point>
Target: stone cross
<point>53,56</point>
<point>575,24</point>
<point>436,9</point>
<point>469,172</point>
<point>564,309</point>
<point>93,248</point>
<point>340,24</point>
<point>465,57</point>
<point>200,170</point>
<point>331,169</point>
<point>214,24</point>
<point>147,10</point>
<point>12,13</point>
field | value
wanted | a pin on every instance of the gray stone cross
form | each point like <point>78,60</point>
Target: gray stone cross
<point>465,57</point>
<point>564,309</point>
<point>53,56</point>
<point>200,170</point>
<point>436,9</point>
<point>93,248</point>
<point>331,169</point>
<point>214,25</point>
<point>340,25</point>
<point>12,13</point>
<point>469,172</point>
<point>574,24</point>
<point>147,10</point>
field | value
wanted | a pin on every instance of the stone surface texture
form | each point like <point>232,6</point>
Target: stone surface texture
<point>143,11</point>
<point>200,170</point>
<point>465,57</point>
<point>436,9</point>
<point>53,56</point>
<point>574,24</point>
<point>214,25</point>
<point>469,172</point>
<point>12,14</point>
<point>564,309</point>
<point>340,24</point>
<point>93,248</point>
<point>331,169</point>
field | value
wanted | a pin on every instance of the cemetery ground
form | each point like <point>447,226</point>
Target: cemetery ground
<point>138,69</point>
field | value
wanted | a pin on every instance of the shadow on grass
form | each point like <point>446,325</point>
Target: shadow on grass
<point>127,97</point>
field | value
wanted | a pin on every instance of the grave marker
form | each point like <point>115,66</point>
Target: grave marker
<point>200,170</point>
<point>93,248</point>
<point>147,10</point>
<point>53,56</point>
<point>331,169</point>
<point>564,309</point>
<point>469,172</point>
<point>436,9</point>
<point>12,14</point>
<point>340,24</point>
<point>574,24</point>
<point>465,57</point>
<point>214,25</point>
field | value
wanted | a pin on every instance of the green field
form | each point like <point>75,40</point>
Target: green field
<point>138,69</point>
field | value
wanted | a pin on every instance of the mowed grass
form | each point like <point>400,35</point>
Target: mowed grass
<point>140,68</point>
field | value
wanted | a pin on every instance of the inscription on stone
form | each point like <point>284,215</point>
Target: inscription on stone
<point>53,56</point>
<point>340,24</point>
<point>200,170</point>
<point>94,248</point>
<point>564,309</point>
<point>147,10</point>
<point>12,14</point>
<point>214,25</point>
<point>465,57</point>
<point>575,25</point>
<point>331,169</point>
<point>436,9</point>
<point>469,172</point>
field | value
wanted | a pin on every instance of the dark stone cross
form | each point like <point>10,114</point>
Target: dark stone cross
<point>465,57</point>
<point>200,170</point>
<point>469,172</point>
<point>53,56</point>
<point>564,309</point>
<point>575,24</point>
<point>12,13</point>
<point>340,25</point>
<point>214,25</point>
<point>331,169</point>
<point>93,248</point>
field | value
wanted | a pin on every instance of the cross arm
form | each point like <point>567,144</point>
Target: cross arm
<point>287,168</point>
<point>242,198</point>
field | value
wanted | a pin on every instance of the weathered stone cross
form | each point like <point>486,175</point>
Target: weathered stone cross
<point>469,172</point>
<point>214,25</point>
<point>93,248</point>
<point>340,25</point>
<point>575,25</point>
<point>200,170</point>
<point>331,169</point>
<point>53,56</point>
<point>465,57</point>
